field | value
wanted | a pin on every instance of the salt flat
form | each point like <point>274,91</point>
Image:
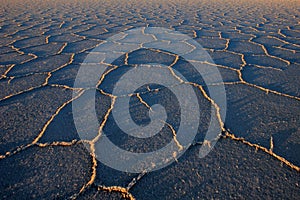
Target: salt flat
<point>254,44</point>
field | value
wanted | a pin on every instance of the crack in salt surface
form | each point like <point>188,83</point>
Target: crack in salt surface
<point>261,148</point>
<point>123,191</point>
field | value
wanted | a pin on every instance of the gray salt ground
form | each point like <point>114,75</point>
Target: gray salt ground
<point>256,47</point>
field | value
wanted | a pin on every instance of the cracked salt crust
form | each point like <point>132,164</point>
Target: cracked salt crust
<point>21,26</point>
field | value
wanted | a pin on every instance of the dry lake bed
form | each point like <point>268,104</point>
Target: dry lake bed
<point>255,47</point>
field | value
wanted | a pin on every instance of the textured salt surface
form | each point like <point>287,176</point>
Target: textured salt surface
<point>256,47</point>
